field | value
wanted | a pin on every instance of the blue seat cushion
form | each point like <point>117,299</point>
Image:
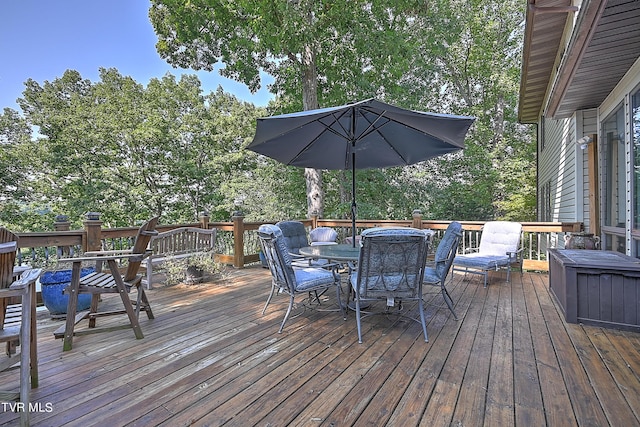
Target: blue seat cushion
<point>430,275</point>
<point>482,262</point>
<point>311,278</point>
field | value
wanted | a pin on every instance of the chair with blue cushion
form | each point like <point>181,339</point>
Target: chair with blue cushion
<point>436,275</point>
<point>499,248</point>
<point>390,268</point>
<point>323,236</point>
<point>295,237</point>
<point>290,280</point>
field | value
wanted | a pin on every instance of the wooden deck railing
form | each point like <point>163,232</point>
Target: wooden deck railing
<point>237,241</point>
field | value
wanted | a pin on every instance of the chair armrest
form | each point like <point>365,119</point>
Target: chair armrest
<point>8,247</point>
<point>296,256</point>
<point>298,260</point>
<point>471,250</point>
<point>515,254</point>
<point>29,277</point>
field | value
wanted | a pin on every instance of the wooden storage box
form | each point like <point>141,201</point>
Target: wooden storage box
<point>594,287</point>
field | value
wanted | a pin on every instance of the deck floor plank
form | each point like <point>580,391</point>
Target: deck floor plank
<point>471,404</point>
<point>211,358</point>
<point>587,407</point>
<point>500,410</point>
<point>526,382</point>
<point>448,366</point>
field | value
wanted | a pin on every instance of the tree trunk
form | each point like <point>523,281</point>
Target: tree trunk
<point>313,177</point>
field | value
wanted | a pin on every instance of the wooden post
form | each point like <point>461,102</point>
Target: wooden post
<point>62,224</point>
<point>93,229</point>
<point>594,200</point>
<point>417,219</point>
<point>314,220</point>
<point>204,220</point>
<point>238,239</point>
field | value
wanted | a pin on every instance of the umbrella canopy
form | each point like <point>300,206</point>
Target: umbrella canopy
<point>362,135</point>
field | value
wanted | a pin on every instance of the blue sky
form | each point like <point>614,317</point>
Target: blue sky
<point>40,39</point>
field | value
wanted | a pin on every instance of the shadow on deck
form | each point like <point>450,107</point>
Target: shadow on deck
<point>210,358</point>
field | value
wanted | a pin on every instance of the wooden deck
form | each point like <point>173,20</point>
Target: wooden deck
<point>210,358</point>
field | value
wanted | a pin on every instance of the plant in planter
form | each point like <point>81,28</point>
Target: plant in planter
<point>53,282</point>
<point>192,270</point>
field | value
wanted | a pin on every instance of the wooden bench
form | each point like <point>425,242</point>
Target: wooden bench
<point>179,243</point>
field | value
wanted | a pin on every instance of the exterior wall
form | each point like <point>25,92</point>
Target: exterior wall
<point>557,171</point>
<point>563,171</point>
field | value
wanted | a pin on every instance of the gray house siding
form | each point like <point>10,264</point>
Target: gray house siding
<point>556,174</point>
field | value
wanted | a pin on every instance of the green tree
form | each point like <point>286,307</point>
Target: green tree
<point>128,152</point>
<point>320,53</point>
<point>469,63</point>
<point>21,178</point>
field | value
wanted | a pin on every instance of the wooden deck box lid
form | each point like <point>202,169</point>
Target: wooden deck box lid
<point>596,259</point>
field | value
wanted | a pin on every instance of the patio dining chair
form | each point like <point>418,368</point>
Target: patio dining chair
<point>111,281</point>
<point>18,322</point>
<point>390,269</point>
<point>293,281</point>
<point>499,248</point>
<point>436,274</point>
<point>323,236</point>
<point>294,234</point>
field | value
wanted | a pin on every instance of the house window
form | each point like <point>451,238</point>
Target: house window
<point>635,141</point>
<point>614,185</point>
<point>635,146</point>
<point>614,169</point>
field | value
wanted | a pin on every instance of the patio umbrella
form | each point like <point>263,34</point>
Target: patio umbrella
<point>362,135</point>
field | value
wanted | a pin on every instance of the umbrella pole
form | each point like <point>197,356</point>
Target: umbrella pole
<point>354,209</point>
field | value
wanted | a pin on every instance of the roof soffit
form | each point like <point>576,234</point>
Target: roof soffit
<point>546,21</point>
<point>604,46</point>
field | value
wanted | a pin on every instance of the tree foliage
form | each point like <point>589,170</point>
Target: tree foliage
<point>448,56</point>
<point>130,151</point>
<point>124,150</point>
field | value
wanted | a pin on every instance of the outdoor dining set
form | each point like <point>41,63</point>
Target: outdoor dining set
<point>388,264</point>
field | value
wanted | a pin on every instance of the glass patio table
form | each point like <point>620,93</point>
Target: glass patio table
<point>341,252</point>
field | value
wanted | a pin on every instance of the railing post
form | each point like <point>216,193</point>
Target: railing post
<point>238,239</point>
<point>204,220</point>
<point>417,219</point>
<point>314,220</point>
<point>62,224</point>
<point>93,229</point>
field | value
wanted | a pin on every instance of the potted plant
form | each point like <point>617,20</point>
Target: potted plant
<point>193,269</point>
<point>53,282</point>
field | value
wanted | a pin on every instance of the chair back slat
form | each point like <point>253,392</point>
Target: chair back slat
<point>140,246</point>
<point>8,248</point>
